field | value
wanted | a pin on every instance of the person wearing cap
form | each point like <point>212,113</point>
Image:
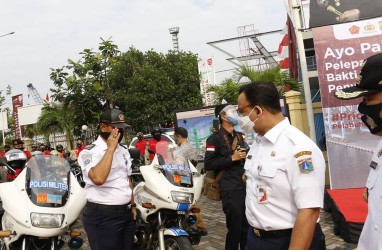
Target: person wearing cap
<point>109,215</point>
<point>224,155</point>
<point>141,143</point>
<point>285,175</point>
<point>19,144</point>
<point>369,87</point>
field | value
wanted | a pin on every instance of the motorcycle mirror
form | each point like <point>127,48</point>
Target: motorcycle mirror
<point>134,153</point>
<point>3,161</point>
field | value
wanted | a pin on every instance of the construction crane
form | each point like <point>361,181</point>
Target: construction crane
<point>35,95</point>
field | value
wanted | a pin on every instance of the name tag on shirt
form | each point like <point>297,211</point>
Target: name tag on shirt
<point>373,165</point>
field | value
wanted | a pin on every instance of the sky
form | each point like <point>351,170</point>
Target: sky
<point>49,32</point>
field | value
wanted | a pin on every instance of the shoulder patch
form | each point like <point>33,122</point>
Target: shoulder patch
<point>305,165</point>
<point>302,153</point>
<point>89,147</point>
<point>86,158</point>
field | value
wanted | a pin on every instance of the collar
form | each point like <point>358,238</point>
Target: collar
<point>100,143</point>
<point>227,133</point>
<point>274,132</point>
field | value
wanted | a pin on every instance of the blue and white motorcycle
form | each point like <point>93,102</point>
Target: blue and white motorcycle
<point>164,199</point>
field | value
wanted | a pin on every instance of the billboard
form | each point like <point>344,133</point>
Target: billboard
<point>330,12</point>
<point>340,51</point>
<point>207,78</point>
<point>3,120</point>
<point>29,114</point>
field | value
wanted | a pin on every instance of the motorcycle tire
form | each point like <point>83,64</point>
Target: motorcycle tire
<point>177,243</point>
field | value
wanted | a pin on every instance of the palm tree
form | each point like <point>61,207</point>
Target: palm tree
<point>275,75</point>
<point>228,90</point>
<point>56,118</point>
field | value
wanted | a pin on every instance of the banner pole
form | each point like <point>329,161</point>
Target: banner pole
<point>296,17</point>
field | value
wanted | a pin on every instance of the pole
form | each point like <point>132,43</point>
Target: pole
<point>3,128</point>
<point>10,33</point>
<point>296,17</point>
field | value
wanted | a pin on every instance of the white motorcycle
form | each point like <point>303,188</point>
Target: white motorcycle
<point>165,217</point>
<point>40,206</point>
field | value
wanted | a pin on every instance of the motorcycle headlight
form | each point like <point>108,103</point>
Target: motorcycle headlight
<point>181,197</point>
<point>47,220</point>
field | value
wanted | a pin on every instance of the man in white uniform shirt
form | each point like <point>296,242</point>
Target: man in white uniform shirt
<point>285,175</point>
<point>369,86</point>
<point>109,215</point>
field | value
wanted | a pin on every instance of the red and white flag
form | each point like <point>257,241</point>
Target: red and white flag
<point>47,97</point>
<point>210,148</point>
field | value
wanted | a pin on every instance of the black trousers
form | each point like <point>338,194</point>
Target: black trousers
<point>282,242</point>
<point>236,221</point>
<point>108,229</point>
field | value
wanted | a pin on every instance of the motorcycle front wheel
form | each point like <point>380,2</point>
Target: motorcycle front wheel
<point>177,243</point>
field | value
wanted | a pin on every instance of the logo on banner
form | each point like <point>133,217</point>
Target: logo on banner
<point>354,29</point>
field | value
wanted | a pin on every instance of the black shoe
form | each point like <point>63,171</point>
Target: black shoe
<point>203,233</point>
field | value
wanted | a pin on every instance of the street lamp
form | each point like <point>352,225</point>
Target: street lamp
<point>84,128</point>
<point>10,33</point>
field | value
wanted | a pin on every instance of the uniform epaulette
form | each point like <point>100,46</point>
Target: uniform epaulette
<point>89,147</point>
<point>124,146</point>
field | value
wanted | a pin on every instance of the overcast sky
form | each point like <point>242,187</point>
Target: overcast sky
<point>49,32</point>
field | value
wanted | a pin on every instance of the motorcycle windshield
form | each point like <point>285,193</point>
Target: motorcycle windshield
<point>47,180</point>
<point>174,166</point>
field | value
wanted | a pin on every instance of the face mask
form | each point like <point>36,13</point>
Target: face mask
<point>371,116</point>
<point>121,131</point>
<point>233,118</point>
<point>157,137</point>
<point>246,124</point>
<point>106,135</point>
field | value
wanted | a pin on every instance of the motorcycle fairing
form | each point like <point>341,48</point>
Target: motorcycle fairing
<point>174,231</point>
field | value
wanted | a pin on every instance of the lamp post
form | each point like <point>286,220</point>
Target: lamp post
<point>84,128</point>
<point>10,33</point>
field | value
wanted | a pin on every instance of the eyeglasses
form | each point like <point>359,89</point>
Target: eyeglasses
<point>240,110</point>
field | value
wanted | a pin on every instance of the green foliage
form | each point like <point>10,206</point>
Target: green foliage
<point>147,86</point>
<point>274,75</point>
<point>53,119</point>
<point>228,90</point>
<point>151,86</point>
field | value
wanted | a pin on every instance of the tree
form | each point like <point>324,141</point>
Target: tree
<point>147,86</point>
<point>275,75</point>
<point>56,118</point>
<point>150,86</point>
<point>84,86</point>
<point>228,90</point>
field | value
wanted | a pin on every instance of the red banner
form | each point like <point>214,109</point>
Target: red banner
<point>17,101</point>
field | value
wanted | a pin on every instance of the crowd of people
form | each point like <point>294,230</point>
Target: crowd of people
<point>271,191</point>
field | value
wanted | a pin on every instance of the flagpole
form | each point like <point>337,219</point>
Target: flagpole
<point>303,65</point>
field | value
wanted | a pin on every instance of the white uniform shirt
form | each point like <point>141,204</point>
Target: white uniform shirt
<point>291,169</point>
<point>371,236</point>
<point>116,190</point>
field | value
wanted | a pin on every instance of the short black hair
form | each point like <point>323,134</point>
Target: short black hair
<point>263,94</point>
<point>181,131</point>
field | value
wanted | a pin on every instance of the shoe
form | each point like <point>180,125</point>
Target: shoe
<point>203,233</point>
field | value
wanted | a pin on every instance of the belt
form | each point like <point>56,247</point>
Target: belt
<point>271,234</point>
<point>109,207</point>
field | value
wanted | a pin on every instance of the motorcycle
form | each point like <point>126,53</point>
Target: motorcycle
<point>170,185</point>
<point>40,205</point>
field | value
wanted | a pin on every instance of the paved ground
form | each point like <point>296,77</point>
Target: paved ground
<point>215,220</point>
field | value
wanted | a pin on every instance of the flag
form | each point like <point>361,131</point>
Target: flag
<point>47,97</point>
<point>287,50</point>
